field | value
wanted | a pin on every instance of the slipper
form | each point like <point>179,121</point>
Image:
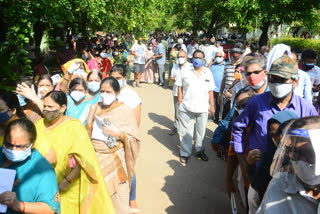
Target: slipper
<point>134,210</point>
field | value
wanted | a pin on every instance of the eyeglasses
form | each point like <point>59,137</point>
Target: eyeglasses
<point>197,58</point>
<point>9,145</point>
<point>253,72</point>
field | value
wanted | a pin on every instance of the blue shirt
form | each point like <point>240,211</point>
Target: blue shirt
<point>37,181</point>
<point>160,50</point>
<point>257,113</point>
<point>217,72</point>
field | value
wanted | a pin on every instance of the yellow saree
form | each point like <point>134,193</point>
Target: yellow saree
<point>88,193</point>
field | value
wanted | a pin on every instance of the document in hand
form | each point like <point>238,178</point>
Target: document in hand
<point>97,129</point>
<point>7,177</point>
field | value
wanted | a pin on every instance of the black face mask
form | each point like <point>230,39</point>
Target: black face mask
<point>51,115</point>
<point>308,67</point>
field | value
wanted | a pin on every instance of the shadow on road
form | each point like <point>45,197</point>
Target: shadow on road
<point>163,137</point>
<point>197,187</point>
<point>160,119</point>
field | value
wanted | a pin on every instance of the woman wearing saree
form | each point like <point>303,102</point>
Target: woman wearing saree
<point>79,176</point>
<point>79,103</point>
<point>148,74</point>
<point>116,157</point>
<point>32,169</point>
<point>94,79</point>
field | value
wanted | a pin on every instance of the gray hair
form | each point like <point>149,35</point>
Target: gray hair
<point>183,52</point>
<point>254,60</point>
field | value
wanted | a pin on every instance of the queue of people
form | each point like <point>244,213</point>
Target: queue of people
<point>266,106</point>
<point>78,139</point>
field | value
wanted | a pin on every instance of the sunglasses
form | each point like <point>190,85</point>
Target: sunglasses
<point>253,72</point>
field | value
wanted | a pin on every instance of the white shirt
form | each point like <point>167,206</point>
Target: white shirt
<point>209,52</point>
<point>191,49</point>
<point>129,97</point>
<point>303,89</point>
<point>314,75</point>
<point>195,89</point>
<point>175,72</point>
<point>139,49</point>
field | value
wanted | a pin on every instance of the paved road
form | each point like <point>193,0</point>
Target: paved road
<point>163,184</point>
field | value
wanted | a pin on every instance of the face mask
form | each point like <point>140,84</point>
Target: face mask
<point>51,115</point>
<point>16,156</point>
<point>259,85</point>
<point>77,95</point>
<point>197,63</point>
<point>181,60</point>
<point>120,83</point>
<point>4,117</point>
<point>150,48</point>
<point>107,99</point>
<point>22,100</point>
<point>39,92</point>
<point>84,56</point>
<point>223,42</point>
<point>256,80</point>
<point>94,86</point>
<point>280,90</point>
<point>218,60</point>
<point>103,55</point>
<point>308,66</point>
<point>305,172</point>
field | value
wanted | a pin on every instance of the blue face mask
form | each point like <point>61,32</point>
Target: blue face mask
<point>197,63</point>
<point>120,83</point>
<point>94,86</point>
<point>16,156</point>
<point>4,117</point>
<point>22,100</point>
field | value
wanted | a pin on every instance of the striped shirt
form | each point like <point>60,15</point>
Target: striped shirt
<point>229,69</point>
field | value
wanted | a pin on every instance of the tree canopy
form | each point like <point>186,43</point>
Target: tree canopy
<point>22,20</point>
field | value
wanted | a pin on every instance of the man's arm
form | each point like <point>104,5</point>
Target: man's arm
<point>179,95</point>
<point>211,100</point>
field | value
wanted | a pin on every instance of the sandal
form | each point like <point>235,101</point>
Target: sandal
<point>134,210</point>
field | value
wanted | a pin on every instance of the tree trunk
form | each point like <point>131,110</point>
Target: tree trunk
<point>210,28</point>
<point>264,38</point>
<point>38,33</point>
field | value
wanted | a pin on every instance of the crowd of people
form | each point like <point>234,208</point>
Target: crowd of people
<point>75,135</point>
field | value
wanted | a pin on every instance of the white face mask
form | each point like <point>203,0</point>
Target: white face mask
<point>306,172</point>
<point>39,92</point>
<point>107,99</point>
<point>280,90</point>
<point>181,60</point>
<point>77,95</point>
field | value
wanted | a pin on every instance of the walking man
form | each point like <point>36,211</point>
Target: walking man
<point>195,90</point>
<point>160,57</point>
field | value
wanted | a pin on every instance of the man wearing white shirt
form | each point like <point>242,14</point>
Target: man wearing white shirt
<point>195,90</point>
<point>175,72</point>
<point>191,48</point>
<point>210,51</point>
<point>138,50</point>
